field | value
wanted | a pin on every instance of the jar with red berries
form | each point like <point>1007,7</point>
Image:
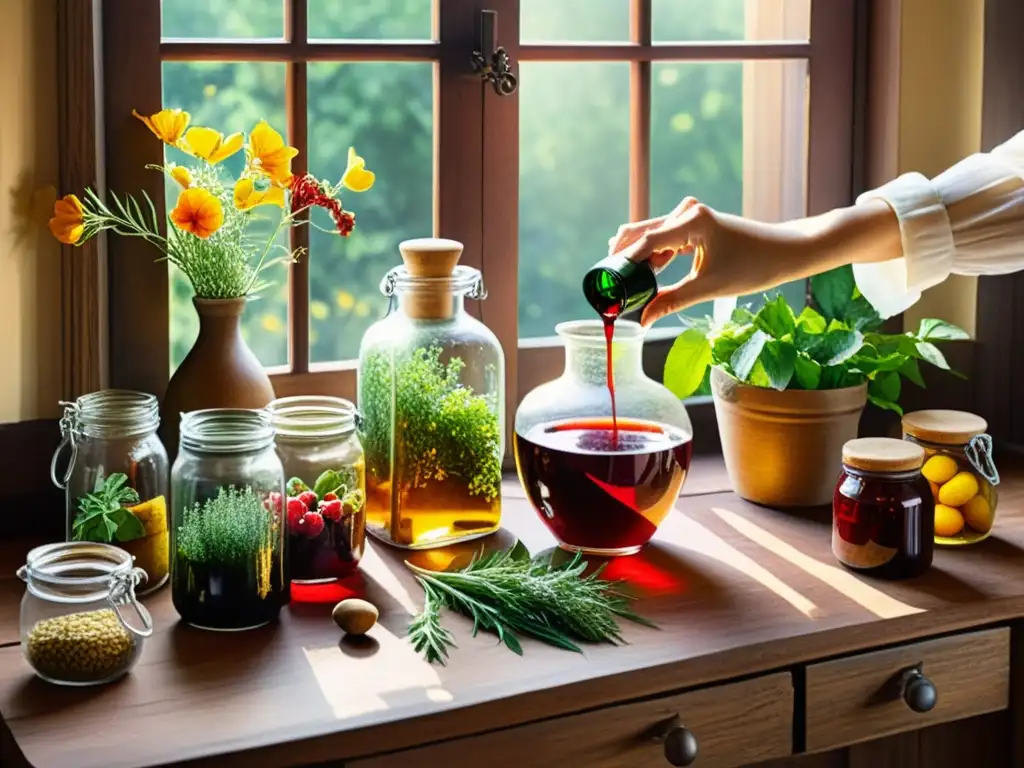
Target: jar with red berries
<point>227,532</point>
<point>883,513</point>
<point>326,517</point>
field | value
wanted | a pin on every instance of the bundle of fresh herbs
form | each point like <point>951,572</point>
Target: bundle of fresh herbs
<point>839,346</point>
<point>509,594</point>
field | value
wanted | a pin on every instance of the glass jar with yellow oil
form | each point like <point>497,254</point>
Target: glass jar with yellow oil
<point>431,394</point>
<point>960,470</point>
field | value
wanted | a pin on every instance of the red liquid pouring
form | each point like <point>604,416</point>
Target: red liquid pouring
<point>600,492</point>
<point>609,332</point>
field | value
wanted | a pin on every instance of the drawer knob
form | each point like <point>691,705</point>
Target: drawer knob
<point>680,746</point>
<point>919,692</point>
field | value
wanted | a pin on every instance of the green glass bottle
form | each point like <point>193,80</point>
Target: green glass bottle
<point>616,285</point>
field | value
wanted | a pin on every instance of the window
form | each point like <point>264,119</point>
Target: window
<point>623,107</point>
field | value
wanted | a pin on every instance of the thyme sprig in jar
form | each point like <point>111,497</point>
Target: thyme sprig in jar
<point>228,570</point>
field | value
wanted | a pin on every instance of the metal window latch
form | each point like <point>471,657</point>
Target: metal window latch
<point>490,62</point>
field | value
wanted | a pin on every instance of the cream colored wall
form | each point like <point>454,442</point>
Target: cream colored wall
<point>940,117</point>
<point>30,323</point>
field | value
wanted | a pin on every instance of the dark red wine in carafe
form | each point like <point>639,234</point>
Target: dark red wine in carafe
<point>599,492</point>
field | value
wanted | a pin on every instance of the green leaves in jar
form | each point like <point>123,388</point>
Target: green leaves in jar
<point>102,515</point>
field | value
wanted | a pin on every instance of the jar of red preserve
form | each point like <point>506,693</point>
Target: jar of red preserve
<point>883,512</point>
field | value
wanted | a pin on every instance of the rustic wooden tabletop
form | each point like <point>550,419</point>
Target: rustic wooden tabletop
<point>736,589</point>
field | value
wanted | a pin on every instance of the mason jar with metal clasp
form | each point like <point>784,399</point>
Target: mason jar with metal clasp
<point>117,476</point>
<point>73,631</point>
<point>961,471</point>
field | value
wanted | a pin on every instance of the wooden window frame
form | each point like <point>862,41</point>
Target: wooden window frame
<point>476,152</point>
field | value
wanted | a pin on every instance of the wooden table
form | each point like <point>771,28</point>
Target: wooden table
<point>749,602</point>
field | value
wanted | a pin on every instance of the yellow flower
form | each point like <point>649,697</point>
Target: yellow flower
<point>168,125</point>
<point>181,175</point>
<point>247,196</point>
<point>68,222</point>
<point>198,212</point>
<point>319,310</point>
<point>362,309</point>
<point>356,177</point>
<point>345,300</point>
<point>269,155</point>
<point>212,145</point>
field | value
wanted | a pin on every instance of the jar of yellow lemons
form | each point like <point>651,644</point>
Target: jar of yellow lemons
<point>960,469</point>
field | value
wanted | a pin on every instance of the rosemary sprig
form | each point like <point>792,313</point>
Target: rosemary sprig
<point>510,596</point>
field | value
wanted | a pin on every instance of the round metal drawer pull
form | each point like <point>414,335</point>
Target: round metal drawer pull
<point>678,741</point>
<point>918,691</point>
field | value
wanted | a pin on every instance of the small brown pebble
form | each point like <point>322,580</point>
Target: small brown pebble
<point>354,616</point>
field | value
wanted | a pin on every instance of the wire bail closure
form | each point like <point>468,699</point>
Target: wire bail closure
<point>69,432</point>
<point>979,453</point>
<point>122,593</point>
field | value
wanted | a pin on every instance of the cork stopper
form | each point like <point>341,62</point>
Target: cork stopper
<point>944,427</point>
<point>882,454</point>
<point>430,258</point>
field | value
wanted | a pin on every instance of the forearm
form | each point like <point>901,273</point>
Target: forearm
<point>858,234</point>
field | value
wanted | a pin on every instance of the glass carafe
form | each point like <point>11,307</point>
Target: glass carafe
<point>602,484</point>
<point>431,394</point>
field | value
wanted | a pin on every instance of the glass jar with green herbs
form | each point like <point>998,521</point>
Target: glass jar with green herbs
<point>227,529</point>
<point>116,477</point>
<point>325,511</point>
<point>432,399</point>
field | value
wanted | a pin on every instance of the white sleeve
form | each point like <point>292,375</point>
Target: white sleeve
<point>968,220</point>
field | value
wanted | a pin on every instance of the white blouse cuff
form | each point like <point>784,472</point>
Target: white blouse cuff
<point>893,286</point>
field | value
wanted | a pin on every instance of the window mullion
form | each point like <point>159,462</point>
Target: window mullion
<point>640,32</point>
<point>296,33</point>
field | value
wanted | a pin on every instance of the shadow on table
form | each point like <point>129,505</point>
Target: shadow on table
<point>198,654</point>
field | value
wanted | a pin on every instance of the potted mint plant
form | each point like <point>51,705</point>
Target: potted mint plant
<point>789,388</point>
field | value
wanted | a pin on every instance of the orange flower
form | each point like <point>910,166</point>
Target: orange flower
<point>68,222</point>
<point>198,212</point>
<point>247,196</point>
<point>269,155</point>
<point>168,125</point>
<point>212,145</point>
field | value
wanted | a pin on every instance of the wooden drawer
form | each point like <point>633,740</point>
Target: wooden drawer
<point>861,697</point>
<point>734,725</point>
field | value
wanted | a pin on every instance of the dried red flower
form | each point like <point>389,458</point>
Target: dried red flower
<point>307,191</point>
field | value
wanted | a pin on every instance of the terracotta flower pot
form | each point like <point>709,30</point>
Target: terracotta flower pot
<point>784,449</point>
<point>220,371</point>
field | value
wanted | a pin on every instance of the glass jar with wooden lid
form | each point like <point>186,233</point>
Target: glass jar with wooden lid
<point>961,471</point>
<point>883,511</point>
<point>432,397</point>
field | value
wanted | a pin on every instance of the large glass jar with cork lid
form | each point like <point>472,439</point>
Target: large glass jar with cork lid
<point>431,396</point>
<point>960,469</point>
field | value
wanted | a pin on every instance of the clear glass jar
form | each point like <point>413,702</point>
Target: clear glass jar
<point>326,515</point>
<point>432,398</point>
<point>116,462</point>
<point>883,511</point>
<point>960,470</point>
<point>226,529</point>
<point>73,630</point>
<point>602,483</point>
